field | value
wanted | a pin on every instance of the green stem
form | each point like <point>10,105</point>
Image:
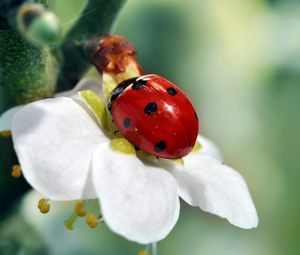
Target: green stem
<point>96,19</point>
<point>154,249</point>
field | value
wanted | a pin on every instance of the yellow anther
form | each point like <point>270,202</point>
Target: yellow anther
<point>144,252</point>
<point>80,209</point>
<point>44,205</point>
<point>197,147</point>
<point>16,171</point>
<point>5,133</point>
<point>93,220</point>
<point>69,223</point>
<point>123,146</point>
<point>45,209</point>
<point>41,203</point>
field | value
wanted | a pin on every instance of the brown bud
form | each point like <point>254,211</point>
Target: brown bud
<point>111,54</point>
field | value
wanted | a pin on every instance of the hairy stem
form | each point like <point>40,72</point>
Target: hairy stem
<point>23,67</point>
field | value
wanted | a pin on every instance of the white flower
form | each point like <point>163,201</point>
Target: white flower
<point>65,155</point>
<point>90,83</point>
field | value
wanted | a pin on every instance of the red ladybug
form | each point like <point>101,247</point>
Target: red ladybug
<point>155,116</point>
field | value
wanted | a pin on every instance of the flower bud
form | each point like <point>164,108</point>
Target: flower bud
<point>38,25</point>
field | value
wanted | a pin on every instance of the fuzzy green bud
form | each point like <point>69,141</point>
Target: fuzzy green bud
<point>45,30</point>
<point>39,26</point>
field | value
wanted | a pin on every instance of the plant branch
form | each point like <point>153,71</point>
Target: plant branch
<point>96,19</point>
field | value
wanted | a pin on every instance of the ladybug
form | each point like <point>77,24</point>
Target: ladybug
<point>155,116</point>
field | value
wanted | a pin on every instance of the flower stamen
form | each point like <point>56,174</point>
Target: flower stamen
<point>5,133</point>
<point>80,209</point>
<point>16,171</point>
<point>93,220</point>
<point>150,249</point>
<point>44,205</point>
<point>154,248</point>
<point>143,252</point>
<point>69,223</point>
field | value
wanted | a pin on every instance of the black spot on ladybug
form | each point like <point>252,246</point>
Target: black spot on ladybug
<point>160,146</point>
<point>150,108</point>
<point>118,90</point>
<point>127,122</point>
<point>171,91</point>
<point>196,116</point>
<point>139,84</point>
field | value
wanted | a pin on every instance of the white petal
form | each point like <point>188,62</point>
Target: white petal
<point>7,117</point>
<point>209,148</point>
<point>88,83</point>
<point>55,140</point>
<point>216,188</point>
<point>138,202</point>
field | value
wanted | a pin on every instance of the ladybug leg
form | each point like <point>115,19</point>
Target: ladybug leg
<point>117,133</point>
<point>147,158</point>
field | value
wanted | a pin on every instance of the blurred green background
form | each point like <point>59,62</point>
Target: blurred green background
<point>239,61</point>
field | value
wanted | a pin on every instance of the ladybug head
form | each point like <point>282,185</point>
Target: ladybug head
<point>118,90</point>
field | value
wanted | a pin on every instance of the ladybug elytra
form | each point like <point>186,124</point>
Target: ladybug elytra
<point>155,116</point>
